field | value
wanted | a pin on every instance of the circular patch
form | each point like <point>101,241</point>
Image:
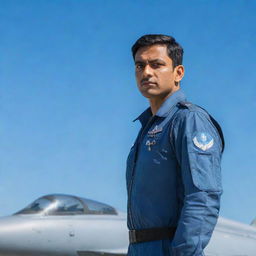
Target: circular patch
<point>203,140</point>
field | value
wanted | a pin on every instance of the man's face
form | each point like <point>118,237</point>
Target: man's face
<point>154,71</point>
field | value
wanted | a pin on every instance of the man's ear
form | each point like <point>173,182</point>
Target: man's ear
<point>179,72</point>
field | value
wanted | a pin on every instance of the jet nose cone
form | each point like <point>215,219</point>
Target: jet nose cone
<point>13,231</point>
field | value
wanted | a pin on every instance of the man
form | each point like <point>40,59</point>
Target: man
<point>173,169</point>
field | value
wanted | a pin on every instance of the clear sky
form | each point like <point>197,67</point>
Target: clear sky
<point>68,94</point>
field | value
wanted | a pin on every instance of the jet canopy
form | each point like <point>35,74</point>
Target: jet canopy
<point>60,204</point>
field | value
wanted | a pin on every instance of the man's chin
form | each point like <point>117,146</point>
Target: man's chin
<point>150,94</point>
<point>155,94</point>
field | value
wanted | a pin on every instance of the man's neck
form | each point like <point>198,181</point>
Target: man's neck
<point>155,103</point>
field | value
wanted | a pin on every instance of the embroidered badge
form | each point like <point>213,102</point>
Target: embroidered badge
<point>156,130</point>
<point>203,141</point>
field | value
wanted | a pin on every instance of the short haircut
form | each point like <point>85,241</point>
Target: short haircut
<point>174,49</point>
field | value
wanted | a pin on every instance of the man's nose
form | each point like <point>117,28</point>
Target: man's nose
<point>147,71</point>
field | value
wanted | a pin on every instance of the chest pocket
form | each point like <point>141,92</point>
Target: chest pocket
<point>157,145</point>
<point>158,138</point>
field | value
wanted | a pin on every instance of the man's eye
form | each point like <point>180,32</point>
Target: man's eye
<point>156,65</point>
<point>139,66</point>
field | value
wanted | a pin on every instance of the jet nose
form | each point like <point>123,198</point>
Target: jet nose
<point>33,235</point>
<point>13,235</point>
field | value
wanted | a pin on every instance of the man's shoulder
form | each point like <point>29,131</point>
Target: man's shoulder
<point>186,109</point>
<point>190,114</point>
<point>191,107</point>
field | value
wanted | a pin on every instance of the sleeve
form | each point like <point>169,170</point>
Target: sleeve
<point>197,146</point>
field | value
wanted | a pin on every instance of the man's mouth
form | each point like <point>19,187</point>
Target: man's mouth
<point>148,83</point>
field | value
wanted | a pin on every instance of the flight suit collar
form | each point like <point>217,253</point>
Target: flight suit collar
<point>164,109</point>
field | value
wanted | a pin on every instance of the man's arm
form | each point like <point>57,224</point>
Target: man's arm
<point>198,150</point>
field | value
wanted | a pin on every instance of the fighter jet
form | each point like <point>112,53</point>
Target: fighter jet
<point>64,225</point>
<point>67,225</point>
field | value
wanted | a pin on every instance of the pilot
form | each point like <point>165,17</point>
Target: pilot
<point>173,169</point>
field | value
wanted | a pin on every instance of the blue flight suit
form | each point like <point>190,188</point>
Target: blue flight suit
<point>174,178</point>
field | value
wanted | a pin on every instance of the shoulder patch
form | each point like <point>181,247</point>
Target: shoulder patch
<point>203,140</point>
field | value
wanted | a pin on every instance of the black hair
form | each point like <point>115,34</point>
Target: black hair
<point>174,49</point>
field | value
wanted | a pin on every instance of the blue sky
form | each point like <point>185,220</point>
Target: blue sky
<point>68,94</point>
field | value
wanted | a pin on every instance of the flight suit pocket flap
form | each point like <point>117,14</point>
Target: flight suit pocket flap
<point>205,170</point>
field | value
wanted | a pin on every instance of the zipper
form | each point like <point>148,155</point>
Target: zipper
<point>136,149</point>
